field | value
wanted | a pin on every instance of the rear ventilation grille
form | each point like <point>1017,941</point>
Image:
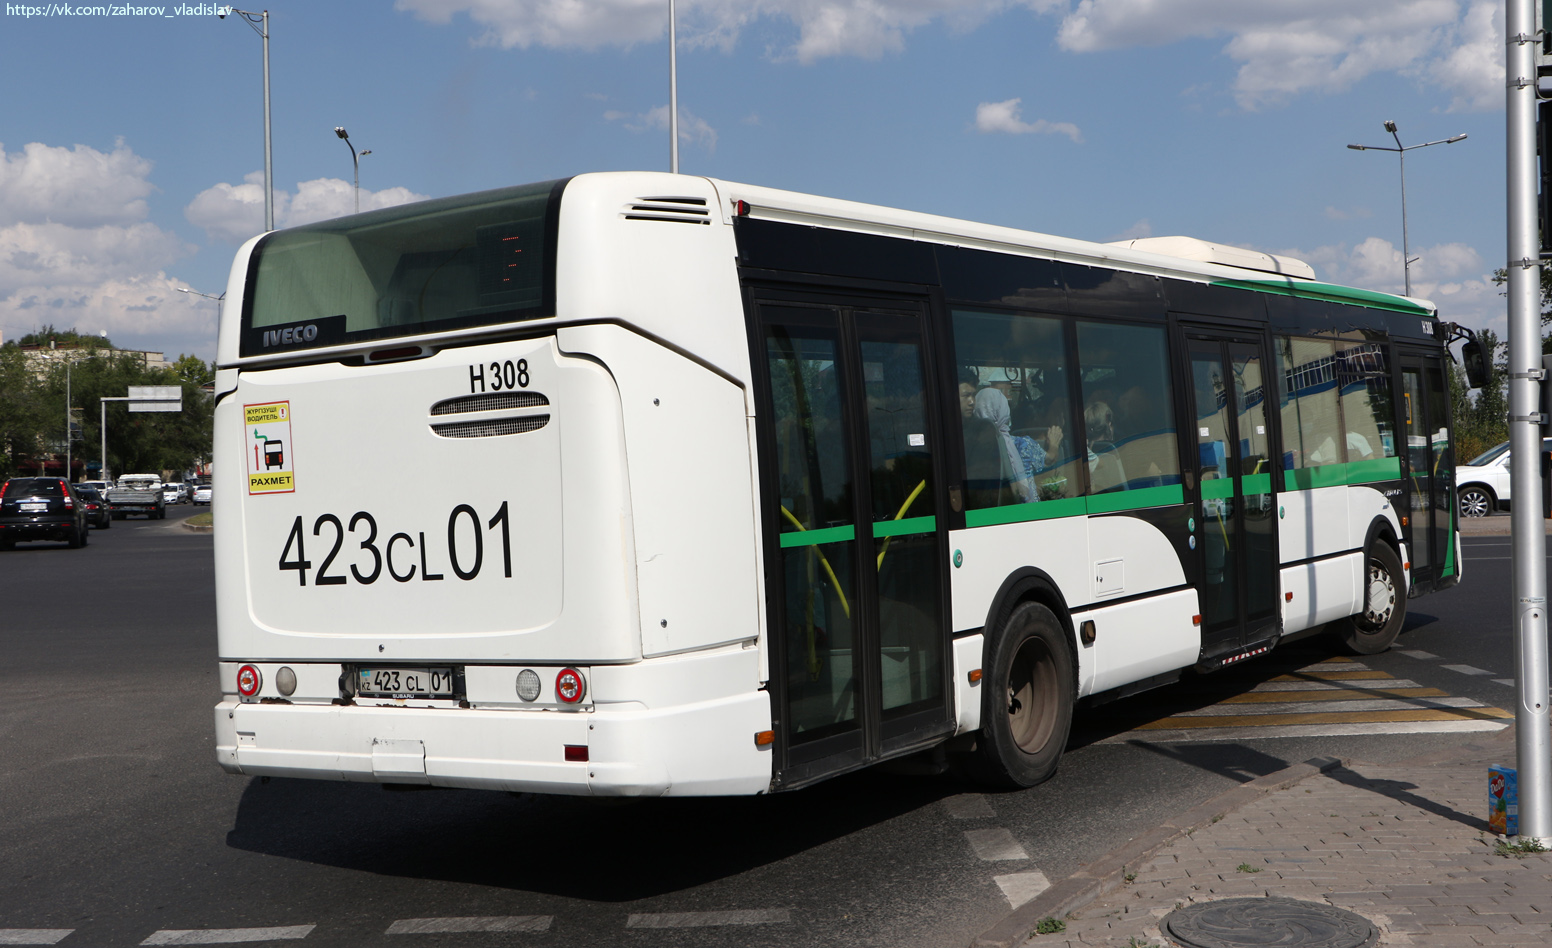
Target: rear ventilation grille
<point>491,429</point>
<point>496,402</point>
<point>683,210</point>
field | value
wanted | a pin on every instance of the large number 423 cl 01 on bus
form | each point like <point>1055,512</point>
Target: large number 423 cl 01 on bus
<point>643,484</point>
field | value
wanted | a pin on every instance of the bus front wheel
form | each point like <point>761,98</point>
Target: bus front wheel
<point>1384,605</point>
<point>1026,707</point>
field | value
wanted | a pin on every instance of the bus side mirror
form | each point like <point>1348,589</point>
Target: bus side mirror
<point>1471,360</point>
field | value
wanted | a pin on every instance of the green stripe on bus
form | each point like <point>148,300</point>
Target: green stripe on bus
<point>1337,475</point>
<point>1018,513</point>
<point>1217,488</point>
<point>1378,469</point>
<point>1330,292</point>
<point>900,528</point>
<point>1256,484</point>
<point>816,537</point>
<point>1112,502</point>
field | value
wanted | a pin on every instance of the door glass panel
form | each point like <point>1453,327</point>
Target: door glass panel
<point>1255,468</point>
<point>1216,451</point>
<point>1419,464</point>
<point>817,529</point>
<point>1442,465</point>
<point>905,543</point>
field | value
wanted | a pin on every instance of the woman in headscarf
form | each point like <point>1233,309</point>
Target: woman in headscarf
<point>992,405</point>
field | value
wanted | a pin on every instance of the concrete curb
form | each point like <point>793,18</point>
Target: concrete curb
<point>195,527</point>
<point>1109,871</point>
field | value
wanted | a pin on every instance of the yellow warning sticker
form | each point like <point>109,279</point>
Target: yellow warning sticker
<point>267,433</point>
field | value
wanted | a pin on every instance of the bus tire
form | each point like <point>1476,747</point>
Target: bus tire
<point>1027,701</point>
<point>1375,629</point>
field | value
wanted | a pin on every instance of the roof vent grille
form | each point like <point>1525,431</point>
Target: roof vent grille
<point>494,402</point>
<point>491,429</point>
<point>683,210</point>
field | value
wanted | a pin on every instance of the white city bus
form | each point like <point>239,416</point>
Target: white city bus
<point>644,484</point>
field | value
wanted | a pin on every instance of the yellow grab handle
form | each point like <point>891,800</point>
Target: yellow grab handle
<point>845,607</point>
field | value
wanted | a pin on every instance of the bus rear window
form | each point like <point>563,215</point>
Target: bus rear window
<point>471,260</point>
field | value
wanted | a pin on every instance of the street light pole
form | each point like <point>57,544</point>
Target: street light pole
<point>355,161</point>
<point>673,93</point>
<point>1401,150</point>
<point>260,24</point>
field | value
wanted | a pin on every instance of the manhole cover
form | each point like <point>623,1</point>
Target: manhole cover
<point>1256,923</point>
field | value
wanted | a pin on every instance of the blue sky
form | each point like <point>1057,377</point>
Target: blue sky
<point>132,143</point>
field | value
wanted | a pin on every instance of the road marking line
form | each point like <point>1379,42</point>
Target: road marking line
<point>1467,669</point>
<point>995,844</point>
<point>1330,686</point>
<point>1416,653</point>
<point>1202,736</point>
<point>968,806</point>
<point>710,919</point>
<point>1505,681</point>
<point>486,923</point>
<point>1332,694</point>
<point>1326,717</point>
<point>1020,887</point>
<point>1358,704</point>
<point>227,936</point>
<point>1333,676</point>
<point>33,936</point>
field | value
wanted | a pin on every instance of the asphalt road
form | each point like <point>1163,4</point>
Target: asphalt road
<point>117,824</point>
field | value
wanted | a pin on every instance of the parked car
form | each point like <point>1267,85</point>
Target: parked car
<point>1482,485</point>
<point>172,493</point>
<point>96,507</point>
<point>137,493</point>
<point>41,508</point>
<point>202,495</point>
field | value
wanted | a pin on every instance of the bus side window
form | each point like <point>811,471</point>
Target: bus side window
<point>1313,433</point>
<point>1016,409</point>
<point>1128,418</point>
<point>1363,381</point>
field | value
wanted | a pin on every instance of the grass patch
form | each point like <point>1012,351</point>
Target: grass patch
<point>1050,925</point>
<point>202,520</point>
<point>1246,867</point>
<point>1520,848</point>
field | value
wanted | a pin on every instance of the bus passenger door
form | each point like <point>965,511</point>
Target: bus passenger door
<point>855,553</point>
<point>1430,509</point>
<point>1235,532</point>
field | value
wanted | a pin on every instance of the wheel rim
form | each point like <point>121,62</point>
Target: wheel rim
<point>1382,597</point>
<point>1473,504</point>
<point>1032,696</point>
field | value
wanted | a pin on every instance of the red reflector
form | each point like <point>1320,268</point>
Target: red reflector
<point>1196,620</point>
<point>1287,597</point>
<point>741,208</point>
<point>249,681</point>
<point>569,687</point>
<point>403,352</point>
<point>577,753</point>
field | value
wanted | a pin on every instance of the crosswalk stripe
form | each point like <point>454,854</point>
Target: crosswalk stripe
<point>1333,694</point>
<point>484,923</point>
<point>1324,717</point>
<point>1207,735</point>
<point>1359,704</point>
<point>226,936</point>
<point>33,936</point>
<point>710,919</point>
<point>1380,683</point>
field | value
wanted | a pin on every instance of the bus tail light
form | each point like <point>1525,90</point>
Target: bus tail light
<point>569,687</point>
<point>249,680</point>
<point>576,753</point>
<point>1196,620</point>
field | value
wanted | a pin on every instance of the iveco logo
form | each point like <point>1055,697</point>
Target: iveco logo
<point>290,335</point>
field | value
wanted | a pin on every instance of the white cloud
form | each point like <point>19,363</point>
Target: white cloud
<point>867,28</point>
<point>692,128</point>
<point>76,252</point>
<point>79,186</point>
<point>1338,214</point>
<point>1286,47</point>
<point>1004,117</point>
<point>235,212</point>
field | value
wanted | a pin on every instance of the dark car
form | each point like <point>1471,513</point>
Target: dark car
<point>41,508</point>
<point>96,506</point>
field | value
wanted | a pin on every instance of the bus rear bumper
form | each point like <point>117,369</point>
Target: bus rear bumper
<point>701,749</point>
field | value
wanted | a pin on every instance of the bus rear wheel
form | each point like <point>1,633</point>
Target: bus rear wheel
<point>1026,708</point>
<point>1384,605</point>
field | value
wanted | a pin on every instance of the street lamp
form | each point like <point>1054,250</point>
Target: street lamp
<point>355,160</point>
<point>1401,150</point>
<point>260,24</point>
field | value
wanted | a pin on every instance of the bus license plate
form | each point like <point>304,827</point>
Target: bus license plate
<point>404,682</point>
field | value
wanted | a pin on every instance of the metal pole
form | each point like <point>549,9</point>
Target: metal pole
<point>1533,740</point>
<point>102,432</point>
<point>673,93</point>
<point>67,420</point>
<point>269,172</point>
<point>356,162</point>
<point>1406,253</point>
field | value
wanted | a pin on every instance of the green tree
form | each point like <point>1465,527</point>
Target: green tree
<point>67,337</point>
<point>23,410</point>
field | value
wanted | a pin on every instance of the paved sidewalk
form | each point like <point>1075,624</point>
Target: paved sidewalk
<point>1406,846</point>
